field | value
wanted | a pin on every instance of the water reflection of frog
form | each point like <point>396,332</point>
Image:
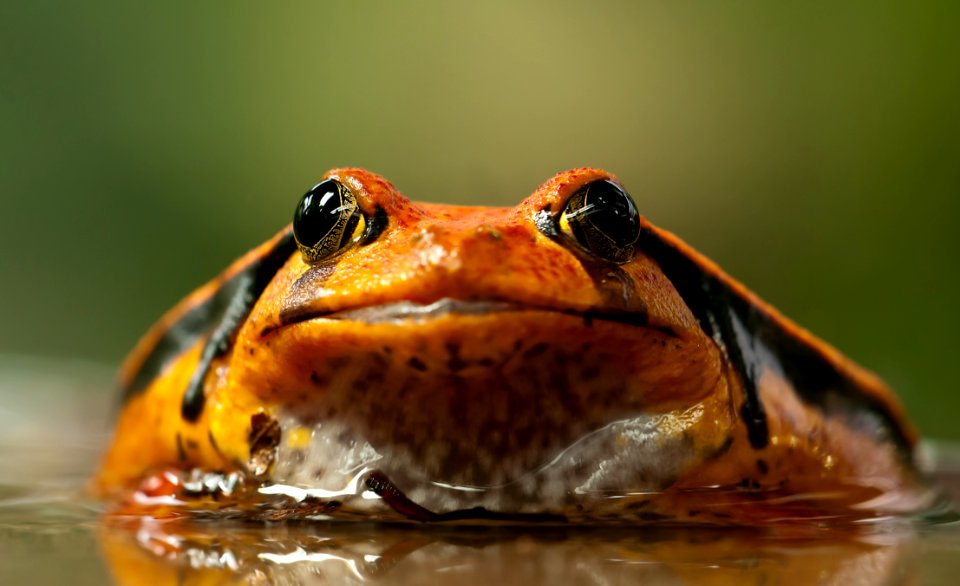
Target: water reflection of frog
<point>560,360</point>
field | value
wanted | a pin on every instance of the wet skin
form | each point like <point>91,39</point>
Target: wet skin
<point>522,364</point>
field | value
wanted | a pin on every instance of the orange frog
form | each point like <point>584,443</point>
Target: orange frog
<point>560,361</point>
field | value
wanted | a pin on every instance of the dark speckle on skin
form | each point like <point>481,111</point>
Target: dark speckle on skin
<point>417,364</point>
<point>264,438</point>
<point>337,363</point>
<point>591,372</point>
<point>535,350</point>
<point>213,441</point>
<point>762,466</point>
<point>454,362</point>
<point>181,453</point>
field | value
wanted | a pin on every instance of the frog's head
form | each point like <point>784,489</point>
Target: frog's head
<point>476,355</point>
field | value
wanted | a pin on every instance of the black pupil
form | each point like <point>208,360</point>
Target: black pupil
<point>318,212</point>
<point>612,211</point>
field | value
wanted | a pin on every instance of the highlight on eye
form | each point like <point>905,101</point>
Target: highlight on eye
<point>327,220</point>
<point>603,219</point>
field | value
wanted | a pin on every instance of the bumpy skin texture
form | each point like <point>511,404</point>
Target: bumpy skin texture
<point>487,399</point>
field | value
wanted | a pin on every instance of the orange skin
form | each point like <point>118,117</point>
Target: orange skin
<point>469,399</point>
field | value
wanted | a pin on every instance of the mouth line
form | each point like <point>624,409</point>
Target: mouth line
<point>404,311</point>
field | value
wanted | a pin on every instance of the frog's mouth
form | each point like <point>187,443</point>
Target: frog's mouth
<point>405,311</point>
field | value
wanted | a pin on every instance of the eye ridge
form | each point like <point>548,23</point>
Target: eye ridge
<point>602,218</point>
<point>315,210</point>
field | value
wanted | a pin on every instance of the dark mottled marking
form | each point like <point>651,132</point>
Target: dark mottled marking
<point>417,364</point>
<point>376,374</point>
<point>250,283</point>
<point>590,372</point>
<point>454,362</point>
<point>536,350</point>
<point>296,304</point>
<point>192,444</point>
<point>181,453</point>
<point>338,363</point>
<point>762,466</point>
<point>264,437</point>
<point>315,378</point>
<point>213,441</point>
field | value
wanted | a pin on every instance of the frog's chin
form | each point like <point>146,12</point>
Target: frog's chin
<point>628,460</point>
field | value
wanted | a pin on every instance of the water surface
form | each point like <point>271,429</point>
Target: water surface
<point>54,420</point>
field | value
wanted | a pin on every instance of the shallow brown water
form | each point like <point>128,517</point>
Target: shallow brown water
<point>54,421</point>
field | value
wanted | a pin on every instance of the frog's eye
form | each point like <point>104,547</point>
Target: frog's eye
<point>602,218</point>
<point>327,220</point>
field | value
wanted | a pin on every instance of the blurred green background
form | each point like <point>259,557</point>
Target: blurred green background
<point>812,150</point>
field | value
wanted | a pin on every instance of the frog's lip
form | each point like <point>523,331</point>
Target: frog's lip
<point>405,311</point>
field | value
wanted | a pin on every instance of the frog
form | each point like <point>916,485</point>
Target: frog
<point>560,361</point>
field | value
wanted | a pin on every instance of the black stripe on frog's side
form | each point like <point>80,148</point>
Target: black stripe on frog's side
<point>752,338</point>
<point>712,303</point>
<point>251,281</point>
<point>205,317</point>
